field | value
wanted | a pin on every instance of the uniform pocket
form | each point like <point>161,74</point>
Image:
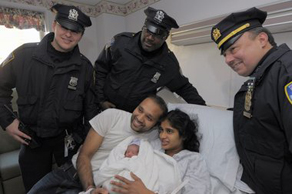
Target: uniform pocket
<point>268,173</point>
<point>71,111</point>
<point>265,163</point>
<point>28,109</point>
<point>74,105</point>
<point>266,148</point>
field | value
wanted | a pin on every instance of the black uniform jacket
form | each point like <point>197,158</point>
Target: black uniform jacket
<point>124,76</point>
<point>51,97</point>
<point>264,141</point>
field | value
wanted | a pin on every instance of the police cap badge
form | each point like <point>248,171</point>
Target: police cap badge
<point>230,29</point>
<point>158,22</point>
<point>71,17</point>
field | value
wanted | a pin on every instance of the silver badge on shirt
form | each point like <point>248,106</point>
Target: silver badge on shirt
<point>156,77</point>
<point>73,83</point>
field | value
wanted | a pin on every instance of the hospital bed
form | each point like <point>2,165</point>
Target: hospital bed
<point>217,147</point>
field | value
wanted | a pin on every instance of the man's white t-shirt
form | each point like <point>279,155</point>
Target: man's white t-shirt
<point>115,126</point>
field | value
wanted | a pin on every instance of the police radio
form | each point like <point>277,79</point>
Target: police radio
<point>33,142</point>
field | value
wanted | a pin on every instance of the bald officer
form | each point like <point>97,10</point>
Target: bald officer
<point>263,105</point>
<point>55,87</point>
<point>135,65</point>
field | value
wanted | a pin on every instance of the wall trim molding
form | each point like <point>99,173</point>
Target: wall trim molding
<point>96,10</point>
<point>279,20</point>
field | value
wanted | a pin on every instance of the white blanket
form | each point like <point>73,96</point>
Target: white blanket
<point>158,171</point>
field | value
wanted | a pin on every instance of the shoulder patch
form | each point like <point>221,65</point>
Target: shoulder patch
<point>8,59</point>
<point>110,43</point>
<point>288,91</point>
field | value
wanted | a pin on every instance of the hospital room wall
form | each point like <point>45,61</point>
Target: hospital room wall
<point>207,71</point>
<point>202,63</point>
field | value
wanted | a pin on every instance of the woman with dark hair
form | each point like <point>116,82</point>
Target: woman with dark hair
<point>179,123</point>
<point>179,139</point>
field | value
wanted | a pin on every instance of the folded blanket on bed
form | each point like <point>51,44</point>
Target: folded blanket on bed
<point>158,171</point>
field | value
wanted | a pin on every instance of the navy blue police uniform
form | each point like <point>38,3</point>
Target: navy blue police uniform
<point>56,98</point>
<point>126,74</point>
<point>262,109</point>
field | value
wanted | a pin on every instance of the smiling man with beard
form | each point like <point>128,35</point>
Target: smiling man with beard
<point>135,65</point>
<point>109,128</point>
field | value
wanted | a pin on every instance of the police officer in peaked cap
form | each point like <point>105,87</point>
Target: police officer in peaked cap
<point>56,97</point>
<point>71,18</point>
<point>159,24</point>
<point>135,65</point>
<point>263,105</point>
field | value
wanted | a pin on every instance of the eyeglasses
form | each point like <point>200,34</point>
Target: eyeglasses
<point>156,36</point>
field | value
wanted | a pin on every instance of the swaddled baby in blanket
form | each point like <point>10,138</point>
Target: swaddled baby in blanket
<point>157,171</point>
<point>123,162</point>
<point>175,159</point>
<point>133,148</point>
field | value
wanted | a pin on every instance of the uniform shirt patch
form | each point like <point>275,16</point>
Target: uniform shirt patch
<point>8,59</point>
<point>288,91</point>
<point>109,44</point>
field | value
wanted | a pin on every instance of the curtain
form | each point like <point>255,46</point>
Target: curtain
<point>22,19</point>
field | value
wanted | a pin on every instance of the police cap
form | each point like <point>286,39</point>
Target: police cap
<point>71,17</point>
<point>158,21</point>
<point>230,29</point>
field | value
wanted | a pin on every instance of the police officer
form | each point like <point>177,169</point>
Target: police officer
<point>263,105</point>
<point>135,65</point>
<point>55,87</point>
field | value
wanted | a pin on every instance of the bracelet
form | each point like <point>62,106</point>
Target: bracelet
<point>89,191</point>
<point>90,187</point>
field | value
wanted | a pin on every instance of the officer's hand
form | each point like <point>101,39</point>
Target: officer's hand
<point>106,105</point>
<point>13,131</point>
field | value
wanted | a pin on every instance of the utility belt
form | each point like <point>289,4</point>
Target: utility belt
<point>34,141</point>
<point>71,138</point>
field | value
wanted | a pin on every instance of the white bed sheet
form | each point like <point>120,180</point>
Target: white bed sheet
<point>217,146</point>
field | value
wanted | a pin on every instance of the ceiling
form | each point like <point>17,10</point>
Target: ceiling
<point>94,2</point>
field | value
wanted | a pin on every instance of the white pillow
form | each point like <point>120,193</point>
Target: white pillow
<point>217,143</point>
